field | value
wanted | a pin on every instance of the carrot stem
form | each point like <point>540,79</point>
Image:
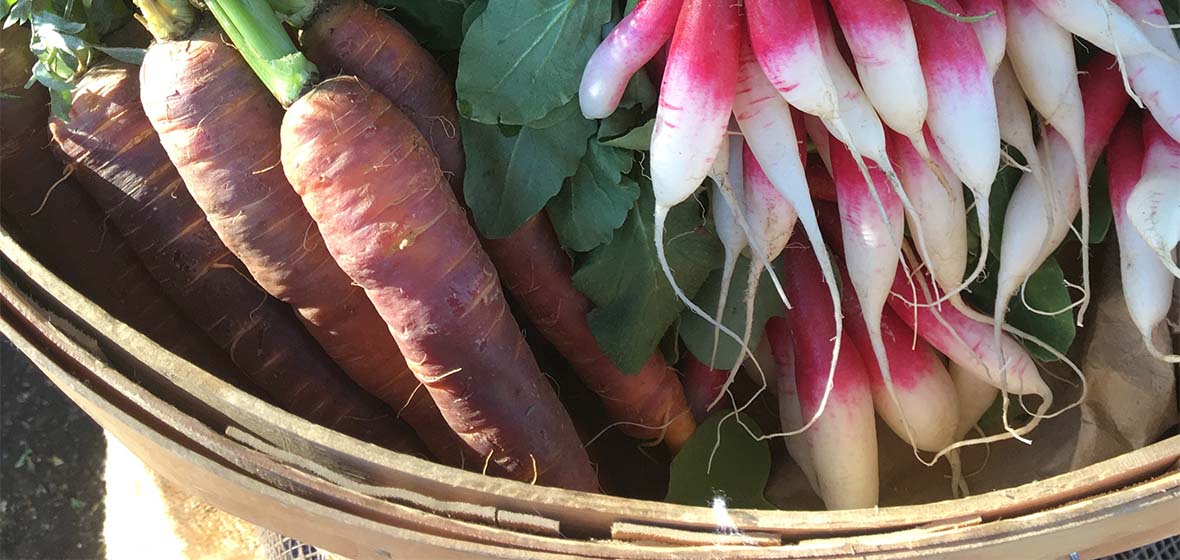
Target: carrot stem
<point>258,33</point>
<point>169,20</point>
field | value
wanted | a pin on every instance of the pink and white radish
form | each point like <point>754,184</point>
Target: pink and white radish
<point>962,116</point>
<point>1147,284</point>
<point>997,360</point>
<point>1042,56</point>
<point>790,412</point>
<point>696,98</point>
<point>1015,125</point>
<point>727,173</point>
<point>869,250</point>
<point>1154,204</point>
<point>1155,80</point>
<point>881,38</point>
<point>1044,212</point>
<point>1104,24</point>
<point>630,45</point>
<point>941,207</point>
<point>765,119</point>
<point>925,393</point>
<point>992,31</point>
<point>843,441</point>
<point>772,220</point>
<point>785,40</point>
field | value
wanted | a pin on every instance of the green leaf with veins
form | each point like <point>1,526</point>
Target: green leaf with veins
<point>638,138</point>
<point>512,172</point>
<point>522,59</point>
<point>697,333</point>
<point>634,304</point>
<point>1046,292</point>
<point>737,472</point>
<point>596,200</point>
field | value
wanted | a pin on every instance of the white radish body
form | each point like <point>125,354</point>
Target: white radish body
<point>924,389</point>
<point>765,120</point>
<point>1154,204</point>
<point>962,116</point>
<point>696,98</point>
<point>974,395</point>
<point>1102,23</point>
<point>1156,81</point>
<point>1042,56</point>
<point>789,411</point>
<point>1147,284</point>
<point>726,170</point>
<point>630,45</point>
<point>881,38</point>
<point>821,138</point>
<point>941,207</point>
<point>992,31</point>
<point>1043,212</point>
<point>1012,109</point>
<point>843,441</point>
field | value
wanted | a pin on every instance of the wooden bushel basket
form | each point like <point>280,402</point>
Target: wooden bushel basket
<point>273,469</point>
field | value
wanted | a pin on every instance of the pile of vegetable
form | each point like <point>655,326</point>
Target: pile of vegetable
<point>382,217</point>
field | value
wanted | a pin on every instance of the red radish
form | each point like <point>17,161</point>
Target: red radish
<point>1042,56</point>
<point>992,31</point>
<point>1015,124</point>
<point>629,46</point>
<point>702,385</point>
<point>1044,212</point>
<point>790,413</point>
<point>869,251</point>
<point>881,38</point>
<point>696,99</point>
<point>822,139</point>
<point>924,390</point>
<point>1147,284</point>
<point>998,360</point>
<point>962,116</point>
<point>819,180</point>
<point>766,120</point>
<point>1154,204</point>
<point>942,209</point>
<point>1156,81</point>
<point>843,442</point>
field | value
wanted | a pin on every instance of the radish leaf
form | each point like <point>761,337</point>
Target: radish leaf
<point>737,474</point>
<point>697,333</point>
<point>512,172</point>
<point>635,305</point>
<point>522,59</point>
<point>596,200</point>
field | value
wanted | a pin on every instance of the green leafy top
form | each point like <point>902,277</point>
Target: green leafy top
<point>64,37</point>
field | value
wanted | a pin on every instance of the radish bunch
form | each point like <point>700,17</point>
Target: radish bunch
<point>909,107</point>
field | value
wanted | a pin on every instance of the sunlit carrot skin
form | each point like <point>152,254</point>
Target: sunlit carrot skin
<point>122,165</point>
<point>67,232</point>
<point>537,272</point>
<point>220,128</point>
<point>374,188</point>
<point>352,37</point>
